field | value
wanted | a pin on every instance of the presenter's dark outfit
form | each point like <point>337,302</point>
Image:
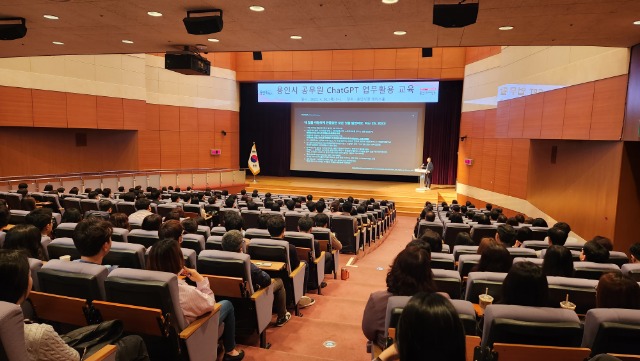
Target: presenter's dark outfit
<point>428,175</point>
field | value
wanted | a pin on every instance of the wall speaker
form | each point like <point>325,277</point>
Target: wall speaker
<point>257,55</point>
<point>427,52</point>
<point>12,28</point>
<point>199,25</point>
<point>455,15</point>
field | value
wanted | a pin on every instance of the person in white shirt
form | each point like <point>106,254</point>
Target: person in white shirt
<point>143,209</point>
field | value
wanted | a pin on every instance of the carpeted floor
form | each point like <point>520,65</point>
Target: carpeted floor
<point>337,313</point>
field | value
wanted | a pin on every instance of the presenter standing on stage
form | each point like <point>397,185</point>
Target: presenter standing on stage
<point>429,169</point>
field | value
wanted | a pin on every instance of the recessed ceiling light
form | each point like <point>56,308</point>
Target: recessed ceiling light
<point>154,13</point>
<point>257,8</point>
<point>389,1</point>
<point>214,40</point>
<point>636,22</point>
<point>296,37</point>
<point>127,41</point>
<point>399,32</point>
<point>506,27</point>
<point>50,17</point>
<point>58,42</point>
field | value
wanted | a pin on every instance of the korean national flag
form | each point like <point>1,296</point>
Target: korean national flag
<point>254,165</point>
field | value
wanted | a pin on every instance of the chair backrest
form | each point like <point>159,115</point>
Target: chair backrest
<point>73,279</point>
<point>478,282</point>
<point>531,326</point>
<point>466,262</point>
<point>145,238</point>
<point>451,231</point>
<point>250,218</point>
<point>459,250</point>
<point>539,233</point>
<point>218,231</point>
<point>166,208</point>
<point>252,233</point>
<point>612,330</point>
<point>193,241</point>
<point>62,247</point>
<point>120,235</point>
<point>434,226</point>
<point>442,261</point>
<point>55,201</point>
<point>301,240</point>
<point>581,291</point>
<point>632,270</point>
<point>522,252</point>
<point>229,264</point>
<point>574,245</point>
<point>127,255</point>
<point>12,344</point>
<point>89,205</point>
<point>35,265</point>
<point>190,257</point>
<point>291,220</point>
<point>72,203</point>
<point>575,255</point>
<point>270,250</point>
<point>448,281</point>
<point>343,228</point>
<point>204,231</point>
<point>145,288</point>
<point>193,208</point>
<point>321,233</point>
<point>127,208</point>
<point>535,244</point>
<point>618,258</point>
<point>592,270</point>
<point>467,315</point>
<point>14,200</point>
<point>481,231</point>
<point>17,216</point>
<point>214,242</point>
<point>537,261</point>
<point>65,230</point>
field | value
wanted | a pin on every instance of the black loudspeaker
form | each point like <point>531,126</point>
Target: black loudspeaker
<point>15,29</point>
<point>203,24</point>
<point>455,15</point>
<point>427,52</point>
<point>257,55</point>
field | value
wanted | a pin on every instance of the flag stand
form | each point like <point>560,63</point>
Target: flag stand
<point>254,179</point>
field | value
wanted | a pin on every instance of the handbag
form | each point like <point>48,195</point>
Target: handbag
<point>484,353</point>
<point>89,339</point>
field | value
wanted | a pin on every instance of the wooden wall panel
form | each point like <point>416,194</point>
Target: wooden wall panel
<point>302,61</point>
<point>189,149</point>
<point>384,74</point>
<point>149,149</point>
<point>342,60</point>
<point>516,117</point>
<point>577,112</point>
<point>169,149</point>
<point>244,61</point>
<point>363,74</point>
<point>266,64</point>
<point>502,119</point>
<point>283,61</point>
<point>434,62</point>
<point>227,121</point>
<point>363,59</point>
<point>205,144</point>
<point>533,116</point>
<point>608,108</point>
<point>489,150</point>
<point>453,57</point>
<point>519,171</point>
<point>110,113</point>
<point>503,166</point>
<point>82,111</point>
<point>477,130</point>
<point>490,123</point>
<point>384,59</point>
<point>631,129</point>
<point>300,75</point>
<point>408,58</point>
<point>475,171</point>
<point>152,116</point>
<point>452,73</point>
<point>463,153</point>
<point>169,117</point>
<point>282,75</point>
<point>49,109</point>
<point>474,54</point>
<point>341,74</point>
<point>206,120</point>
<point>188,119</point>
<point>134,113</point>
<point>466,124</point>
<point>322,60</point>
<point>16,107</point>
<point>553,114</point>
<point>628,209</point>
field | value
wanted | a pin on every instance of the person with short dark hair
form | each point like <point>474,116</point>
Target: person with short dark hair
<point>593,251</point>
<point>512,222</point>
<point>154,196</point>
<point>456,218</point>
<point>539,222</point>
<point>634,251</point>
<point>190,226</point>
<point>42,219</point>
<point>230,202</point>
<point>128,197</point>
<point>120,220</point>
<point>233,220</point>
<point>494,258</point>
<point>320,207</point>
<point>252,206</point>
<point>171,229</point>
<point>558,261</point>
<point>604,241</point>
<point>175,198</point>
<point>276,226</point>
<point>501,219</point>
<point>616,290</point>
<point>523,234</point>
<point>433,239</point>
<point>71,216</point>
<point>525,285</point>
<point>151,222</point>
<point>430,216</point>
<point>48,188</point>
<point>556,236</point>
<point>25,237</point>
<point>105,208</point>
<point>92,238</point>
<point>28,203</point>
<point>291,205</point>
<point>564,226</point>
<point>494,214</point>
<point>311,206</point>
<point>464,239</point>
<point>506,235</point>
<point>321,220</point>
<point>143,209</point>
<point>489,206</point>
<point>519,217</point>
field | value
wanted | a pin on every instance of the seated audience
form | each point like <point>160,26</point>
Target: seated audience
<point>322,221</point>
<point>494,258</point>
<point>558,262</point>
<point>433,239</point>
<point>525,285</point>
<point>305,224</point>
<point>539,222</point>
<point>25,237</point>
<point>556,236</point>
<point>485,243</point>
<point>593,251</point>
<point>506,235</point>
<point>464,239</point>
<point>42,219</point>
<point>92,238</point>
<point>120,220</point>
<point>28,203</point>
<point>71,216</point>
<point>105,207</point>
<point>190,226</point>
<point>143,209</point>
<point>523,234</point>
<point>634,250</point>
<point>166,256</point>
<point>616,290</point>
<point>151,222</point>
<point>604,241</point>
<point>456,218</point>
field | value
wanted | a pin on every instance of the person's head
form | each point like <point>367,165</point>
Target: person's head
<point>442,339</point>
<point>276,225</point>
<point>243,191</point>
<point>558,262</point>
<point>485,243</point>
<point>494,258</point>
<point>464,239</point>
<point>15,276</point>
<point>489,206</point>
<point>48,188</point>
<point>151,222</point>
<point>190,225</point>
<point>456,218</point>
<point>93,195</point>
<point>494,214</point>
<point>347,206</point>
<point>252,206</point>
<point>175,197</point>
<point>233,220</point>
<point>74,190</point>
<point>519,217</point>
<point>428,159</point>
<point>321,220</point>
<point>430,216</point>
<point>232,241</point>
<point>512,222</point>
<point>305,224</point>
<point>604,241</point>
<point>129,197</point>
<point>60,190</point>
<point>106,192</point>
<point>171,229</point>
<point>23,186</point>
<point>616,290</point>
<point>539,222</point>
<point>524,234</point>
<point>23,192</point>
<point>105,205</point>
<point>71,215</point>
<point>411,272</point>
<point>502,219</point>
<point>434,239</point>
<point>143,204</point>
<point>28,203</point>
<point>275,207</point>
<point>320,206</point>
<point>230,202</point>
<point>593,251</point>
<point>564,226</point>
<point>291,204</point>
<point>263,220</point>
<point>525,285</point>
<point>166,256</point>
<point>506,235</point>
<point>634,250</point>
<point>556,236</point>
<point>25,237</point>
<point>484,220</point>
<point>173,214</point>
<point>92,237</point>
<point>41,218</point>
<point>119,220</point>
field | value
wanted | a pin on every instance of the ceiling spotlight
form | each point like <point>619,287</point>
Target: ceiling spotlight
<point>154,13</point>
<point>400,32</point>
<point>506,28</point>
<point>127,41</point>
<point>50,17</point>
<point>389,1</point>
<point>296,37</point>
<point>636,22</point>
<point>257,8</point>
<point>58,42</point>
<point>213,40</point>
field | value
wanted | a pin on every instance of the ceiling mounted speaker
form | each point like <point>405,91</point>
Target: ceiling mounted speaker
<point>455,15</point>
<point>207,24</point>
<point>12,28</point>
<point>257,55</point>
<point>427,52</point>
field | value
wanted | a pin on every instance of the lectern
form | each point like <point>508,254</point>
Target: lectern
<point>421,182</point>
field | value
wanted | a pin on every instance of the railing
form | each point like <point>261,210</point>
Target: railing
<point>197,178</point>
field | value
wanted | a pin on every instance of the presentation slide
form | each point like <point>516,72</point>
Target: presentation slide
<point>350,92</point>
<point>367,139</point>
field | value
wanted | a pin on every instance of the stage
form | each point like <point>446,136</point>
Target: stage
<point>408,200</point>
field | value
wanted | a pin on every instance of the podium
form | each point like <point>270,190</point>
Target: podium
<point>422,179</point>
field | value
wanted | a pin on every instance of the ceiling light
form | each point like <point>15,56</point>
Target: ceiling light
<point>58,42</point>
<point>257,8</point>
<point>127,41</point>
<point>389,1</point>
<point>636,22</point>
<point>214,40</point>
<point>506,27</point>
<point>296,37</point>
<point>154,13</point>
<point>51,17</point>
<point>399,32</point>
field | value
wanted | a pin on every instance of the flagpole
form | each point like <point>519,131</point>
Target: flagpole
<point>254,178</point>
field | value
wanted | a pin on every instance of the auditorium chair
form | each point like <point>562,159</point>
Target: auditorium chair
<point>612,330</point>
<point>38,196</point>
<point>120,235</point>
<point>632,270</point>
<point>127,208</point>
<point>537,261</point>
<point>305,246</point>
<point>480,231</point>
<point>62,247</point>
<point>222,212</point>
<point>17,216</point>
<point>165,208</point>
<point>535,245</point>
<point>466,262</point>
<point>291,220</point>
<point>12,333</point>
<point>522,252</point>
<point>126,255</point>
<point>229,276</point>
<point>592,270</point>
<point>323,236</point>
<point>343,227</point>
<point>54,200</point>
<point>89,205</point>
<point>214,243</point>
<point>145,238</point>
<point>278,251</point>
<point>14,200</point>
<point>192,208</point>
<point>250,218</point>
<point>148,304</point>
<point>252,233</point>
<point>442,261</point>
<point>73,279</point>
<point>218,231</point>
<point>193,241</point>
<point>478,282</point>
<point>574,245</point>
<point>539,233</point>
<point>618,258</point>
<point>204,231</point>
<point>65,230</point>
<point>542,326</point>
<point>35,265</point>
<point>581,291</point>
<point>460,250</point>
<point>574,254</point>
<point>3,235</point>
<point>447,281</point>
<point>517,352</point>
<point>451,231</point>
<point>434,226</point>
<point>72,203</point>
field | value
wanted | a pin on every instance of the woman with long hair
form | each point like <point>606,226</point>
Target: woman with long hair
<point>25,237</point>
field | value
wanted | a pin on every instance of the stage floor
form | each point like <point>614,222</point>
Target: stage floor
<point>408,200</point>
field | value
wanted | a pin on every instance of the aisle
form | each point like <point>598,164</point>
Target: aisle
<point>337,314</point>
